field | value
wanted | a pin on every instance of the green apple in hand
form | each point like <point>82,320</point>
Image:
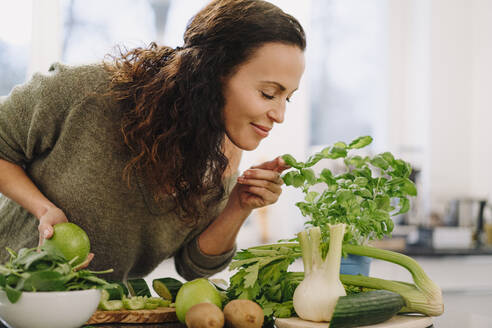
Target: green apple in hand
<point>70,240</point>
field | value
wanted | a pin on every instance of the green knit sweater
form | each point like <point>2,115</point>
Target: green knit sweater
<point>68,140</point>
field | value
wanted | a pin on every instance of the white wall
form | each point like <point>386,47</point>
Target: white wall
<point>440,99</point>
<point>481,141</point>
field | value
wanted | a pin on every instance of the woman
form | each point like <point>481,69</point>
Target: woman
<point>142,151</point>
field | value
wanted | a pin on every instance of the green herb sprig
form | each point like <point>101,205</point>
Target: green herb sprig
<point>361,196</point>
<point>30,270</point>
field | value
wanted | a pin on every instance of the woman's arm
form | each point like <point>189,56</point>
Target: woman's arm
<point>16,185</point>
<point>258,186</point>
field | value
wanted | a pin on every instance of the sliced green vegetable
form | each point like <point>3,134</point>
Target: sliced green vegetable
<point>138,287</point>
<point>115,291</point>
<point>167,288</point>
<point>165,303</point>
<point>151,305</point>
<point>113,305</point>
<point>134,303</point>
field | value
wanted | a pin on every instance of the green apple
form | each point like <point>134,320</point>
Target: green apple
<point>194,292</point>
<point>70,240</point>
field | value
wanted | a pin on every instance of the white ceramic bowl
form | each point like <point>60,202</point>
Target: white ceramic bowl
<point>69,309</point>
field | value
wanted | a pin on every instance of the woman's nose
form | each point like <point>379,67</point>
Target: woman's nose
<point>277,114</point>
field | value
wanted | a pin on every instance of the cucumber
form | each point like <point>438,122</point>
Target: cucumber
<point>134,303</point>
<point>114,305</point>
<point>138,287</point>
<point>366,308</point>
<point>115,291</point>
<point>167,288</point>
<point>123,287</point>
<point>109,305</point>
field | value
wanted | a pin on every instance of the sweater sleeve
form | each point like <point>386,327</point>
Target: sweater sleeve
<point>192,263</point>
<point>30,119</point>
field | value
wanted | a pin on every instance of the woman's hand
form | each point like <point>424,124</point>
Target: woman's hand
<point>52,216</point>
<point>260,185</point>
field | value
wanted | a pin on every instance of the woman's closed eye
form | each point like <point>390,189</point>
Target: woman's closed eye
<point>267,96</point>
<point>271,97</point>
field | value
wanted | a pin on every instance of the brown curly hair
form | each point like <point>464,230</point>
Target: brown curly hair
<point>172,99</point>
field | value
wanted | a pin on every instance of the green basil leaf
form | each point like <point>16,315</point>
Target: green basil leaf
<point>344,196</point>
<point>409,187</point>
<point>291,161</point>
<point>383,202</point>
<point>355,161</point>
<point>288,178</point>
<point>309,176</point>
<point>340,144</point>
<point>311,196</point>
<point>388,157</point>
<point>298,180</point>
<point>361,181</point>
<point>363,192</point>
<point>314,159</point>
<point>378,161</point>
<point>404,204</point>
<point>360,142</point>
<point>327,177</point>
<point>337,152</point>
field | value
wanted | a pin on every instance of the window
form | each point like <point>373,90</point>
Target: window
<point>348,64</point>
<point>15,39</point>
<point>92,28</point>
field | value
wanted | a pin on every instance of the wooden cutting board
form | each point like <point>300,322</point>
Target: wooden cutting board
<point>398,321</point>
<point>159,315</point>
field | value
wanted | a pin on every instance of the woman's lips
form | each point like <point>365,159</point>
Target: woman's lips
<point>261,130</point>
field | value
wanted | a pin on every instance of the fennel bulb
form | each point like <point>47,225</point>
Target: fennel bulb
<point>316,296</point>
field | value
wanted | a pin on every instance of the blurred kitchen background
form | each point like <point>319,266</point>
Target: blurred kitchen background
<point>414,74</point>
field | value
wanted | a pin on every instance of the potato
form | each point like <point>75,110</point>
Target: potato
<point>204,315</point>
<point>243,314</point>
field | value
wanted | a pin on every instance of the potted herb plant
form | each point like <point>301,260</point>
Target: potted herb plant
<point>369,191</point>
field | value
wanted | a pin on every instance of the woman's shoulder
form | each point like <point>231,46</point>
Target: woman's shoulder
<point>68,84</point>
<point>85,74</point>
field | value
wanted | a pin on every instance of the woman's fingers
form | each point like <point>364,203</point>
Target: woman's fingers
<point>260,174</point>
<point>265,184</point>
<point>86,262</point>
<point>278,164</point>
<point>45,232</point>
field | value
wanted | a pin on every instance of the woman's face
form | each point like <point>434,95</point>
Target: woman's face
<point>256,94</point>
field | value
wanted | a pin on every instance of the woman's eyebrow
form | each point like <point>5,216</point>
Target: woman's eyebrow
<point>280,86</point>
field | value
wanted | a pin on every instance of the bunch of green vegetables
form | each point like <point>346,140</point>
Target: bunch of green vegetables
<point>361,196</point>
<point>362,199</point>
<point>30,270</point>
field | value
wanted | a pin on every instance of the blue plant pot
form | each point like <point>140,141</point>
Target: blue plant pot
<point>355,264</point>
